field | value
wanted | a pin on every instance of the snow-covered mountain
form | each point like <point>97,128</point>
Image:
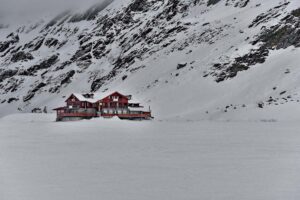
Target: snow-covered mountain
<point>196,59</point>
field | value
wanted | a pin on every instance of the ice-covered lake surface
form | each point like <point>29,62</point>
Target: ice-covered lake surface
<point>151,160</point>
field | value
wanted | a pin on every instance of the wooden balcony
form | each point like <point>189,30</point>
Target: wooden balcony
<point>142,115</point>
<point>61,115</point>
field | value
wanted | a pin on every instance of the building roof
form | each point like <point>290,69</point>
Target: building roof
<point>105,95</point>
<point>80,97</point>
<point>97,96</point>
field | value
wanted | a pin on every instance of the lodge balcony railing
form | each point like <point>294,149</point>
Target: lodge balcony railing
<point>76,114</point>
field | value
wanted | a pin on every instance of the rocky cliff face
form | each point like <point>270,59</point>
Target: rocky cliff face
<point>133,44</point>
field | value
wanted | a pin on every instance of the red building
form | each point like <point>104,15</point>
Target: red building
<point>86,106</point>
<point>117,104</point>
<point>77,107</point>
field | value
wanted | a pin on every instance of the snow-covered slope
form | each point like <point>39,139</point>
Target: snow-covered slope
<point>193,59</point>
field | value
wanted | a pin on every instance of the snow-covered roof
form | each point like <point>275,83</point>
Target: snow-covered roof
<point>96,96</point>
<point>80,97</point>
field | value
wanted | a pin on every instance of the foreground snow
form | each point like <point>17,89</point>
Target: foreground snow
<point>112,159</point>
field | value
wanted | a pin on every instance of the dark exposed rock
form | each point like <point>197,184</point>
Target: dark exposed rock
<point>123,62</point>
<point>32,92</point>
<point>270,14</point>
<point>235,68</point>
<point>6,44</point>
<point>7,74</point>
<point>260,105</point>
<point>54,89</point>
<point>10,100</point>
<point>242,3</point>
<point>44,65</point>
<point>282,93</point>
<point>98,83</point>
<point>86,57</point>
<point>254,57</point>
<point>181,65</point>
<point>63,65</point>
<point>99,49</point>
<point>36,110</point>
<point>296,12</point>
<point>35,44</point>
<point>68,77</point>
<point>280,36</point>
<point>38,45</point>
<point>82,51</point>
<point>12,84</point>
<point>50,42</point>
<point>177,29</point>
<point>24,72</point>
<point>39,86</point>
<point>212,2</point>
<point>139,6</point>
<point>29,96</point>
<point>15,50</point>
<point>124,78</point>
<point>127,60</point>
<point>62,44</point>
<point>172,9</point>
<point>21,56</point>
<point>144,33</point>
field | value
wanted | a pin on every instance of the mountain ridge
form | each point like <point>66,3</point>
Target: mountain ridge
<point>148,48</point>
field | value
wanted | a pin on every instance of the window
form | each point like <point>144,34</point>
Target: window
<point>115,98</point>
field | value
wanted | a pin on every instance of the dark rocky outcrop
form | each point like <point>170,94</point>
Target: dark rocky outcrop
<point>44,65</point>
<point>280,36</point>
<point>296,13</point>
<point>10,100</point>
<point>6,44</point>
<point>138,6</point>
<point>32,92</point>
<point>50,42</point>
<point>67,78</point>
<point>242,3</point>
<point>82,52</point>
<point>7,74</point>
<point>21,56</point>
<point>181,65</point>
<point>212,2</point>
<point>63,65</point>
<point>35,44</point>
<point>270,14</point>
